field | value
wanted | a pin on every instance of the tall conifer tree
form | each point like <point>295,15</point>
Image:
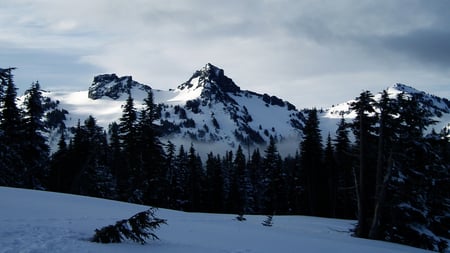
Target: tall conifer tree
<point>35,149</point>
<point>135,188</point>
<point>363,128</point>
<point>239,185</point>
<point>256,171</point>
<point>12,167</point>
<point>346,195</point>
<point>311,165</point>
<point>215,184</point>
<point>195,184</point>
<point>275,191</point>
<point>331,183</point>
<point>151,154</point>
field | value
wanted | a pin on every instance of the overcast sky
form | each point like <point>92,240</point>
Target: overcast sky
<point>309,52</point>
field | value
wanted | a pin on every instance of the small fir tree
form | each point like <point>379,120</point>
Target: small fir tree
<point>138,228</point>
<point>268,222</point>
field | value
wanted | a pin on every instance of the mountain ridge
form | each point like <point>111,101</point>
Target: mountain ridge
<point>209,108</point>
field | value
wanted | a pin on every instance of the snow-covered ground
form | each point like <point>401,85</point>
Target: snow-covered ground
<point>35,221</point>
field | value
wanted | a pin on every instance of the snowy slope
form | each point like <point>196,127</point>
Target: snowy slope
<point>34,221</point>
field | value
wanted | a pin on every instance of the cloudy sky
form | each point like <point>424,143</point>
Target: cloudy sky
<point>309,52</point>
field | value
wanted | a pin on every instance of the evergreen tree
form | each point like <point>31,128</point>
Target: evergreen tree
<point>67,161</point>
<point>136,186</point>
<point>12,167</point>
<point>215,184</point>
<point>316,178</point>
<point>346,191</point>
<point>152,154</point>
<point>11,121</point>
<point>92,177</point>
<point>417,189</point>
<point>239,185</point>
<point>295,189</point>
<point>116,161</point>
<point>5,75</point>
<point>170,164</point>
<point>329,167</point>
<point>256,171</point>
<point>363,128</point>
<point>227,168</point>
<point>138,228</point>
<point>438,195</point>
<point>387,126</point>
<point>127,127</point>
<point>195,183</point>
<point>78,152</point>
<point>274,199</point>
<point>35,149</point>
<point>179,182</point>
<point>58,163</point>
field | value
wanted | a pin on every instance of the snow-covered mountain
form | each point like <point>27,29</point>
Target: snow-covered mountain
<point>210,107</point>
<point>210,110</point>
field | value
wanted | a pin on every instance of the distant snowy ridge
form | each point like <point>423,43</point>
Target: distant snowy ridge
<point>437,106</point>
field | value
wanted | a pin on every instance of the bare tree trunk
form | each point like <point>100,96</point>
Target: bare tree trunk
<point>362,200</point>
<point>378,181</point>
<point>381,196</point>
<point>356,189</point>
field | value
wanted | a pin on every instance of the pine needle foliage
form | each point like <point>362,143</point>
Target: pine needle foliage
<point>138,228</point>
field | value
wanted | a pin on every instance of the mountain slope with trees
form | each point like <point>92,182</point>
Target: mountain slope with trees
<point>381,167</point>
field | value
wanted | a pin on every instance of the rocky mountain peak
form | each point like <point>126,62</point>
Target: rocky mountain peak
<point>112,86</point>
<point>212,78</point>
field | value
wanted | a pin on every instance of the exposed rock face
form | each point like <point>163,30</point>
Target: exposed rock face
<point>221,111</point>
<point>112,86</point>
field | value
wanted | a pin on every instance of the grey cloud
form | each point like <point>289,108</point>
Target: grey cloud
<point>265,45</point>
<point>428,46</point>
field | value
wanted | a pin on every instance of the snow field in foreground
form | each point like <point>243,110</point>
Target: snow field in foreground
<point>35,221</point>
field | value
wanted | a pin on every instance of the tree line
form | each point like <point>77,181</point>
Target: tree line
<point>392,177</point>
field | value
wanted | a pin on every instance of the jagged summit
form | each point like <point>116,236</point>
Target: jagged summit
<point>112,86</point>
<point>209,84</point>
<point>210,77</point>
<point>211,108</point>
